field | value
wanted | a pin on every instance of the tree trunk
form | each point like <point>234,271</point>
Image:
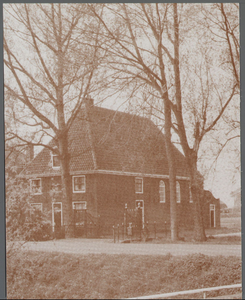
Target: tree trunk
<point>190,154</point>
<point>196,190</point>
<point>68,218</point>
<point>172,172</point>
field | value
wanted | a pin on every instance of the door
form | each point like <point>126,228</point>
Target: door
<point>139,204</point>
<point>80,218</point>
<point>212,216</point>
<point>57,219</point>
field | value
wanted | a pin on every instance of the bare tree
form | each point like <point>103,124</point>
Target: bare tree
<point>147,45</point>
<point>131,61</point>
<point>222,20</point>
<point>50,67</point>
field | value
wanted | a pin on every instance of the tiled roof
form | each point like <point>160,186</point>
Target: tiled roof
<point>115,141</point>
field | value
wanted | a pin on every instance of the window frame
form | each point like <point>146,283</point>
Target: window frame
<point>178,193</point>
<point>73,184</point>
<point>52,158</point>
<point>79,202</point>
<point>31,186</point>
<point>36,203</point>
<point>162,192</point>
<point>142,185</point>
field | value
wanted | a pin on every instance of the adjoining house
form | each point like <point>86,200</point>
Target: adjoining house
<point>223,207</point>
<point>118,161</point>
<point>212,206</point>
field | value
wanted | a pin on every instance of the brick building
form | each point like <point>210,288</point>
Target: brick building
<point>116,159</point>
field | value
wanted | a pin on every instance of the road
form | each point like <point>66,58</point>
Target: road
<point>97,246</point>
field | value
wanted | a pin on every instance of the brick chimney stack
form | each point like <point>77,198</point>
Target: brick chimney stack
<point>30,152</point>
<point>89,102</point>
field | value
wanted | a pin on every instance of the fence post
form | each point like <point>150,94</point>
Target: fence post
<point>91,229</point>
<point>123,231</point>
<point>86,224</point>
<point>113,233</point>
<point>155,230</point>
<point>147,230</point>
<point>125,219</point>
<point>74,222</point>
<point>118,233</point>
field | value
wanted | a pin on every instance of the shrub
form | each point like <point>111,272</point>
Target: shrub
<point>24,222</point>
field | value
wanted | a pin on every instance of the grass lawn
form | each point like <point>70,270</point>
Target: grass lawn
<point>224,240</point>
<point>39,275</point>
<point>187,236</point>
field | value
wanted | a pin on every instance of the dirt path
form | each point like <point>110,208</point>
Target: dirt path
<point>96,246</point>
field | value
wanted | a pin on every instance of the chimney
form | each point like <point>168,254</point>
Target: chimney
<point>30,152</point>
<point>89,102</point>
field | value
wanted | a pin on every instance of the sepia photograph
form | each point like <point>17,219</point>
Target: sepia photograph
<point>122,150</point>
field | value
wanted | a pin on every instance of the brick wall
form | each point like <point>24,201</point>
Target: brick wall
<point>114,191</point>
<point>106,196</point>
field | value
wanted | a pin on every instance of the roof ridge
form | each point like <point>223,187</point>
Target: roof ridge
<point>121,112</point>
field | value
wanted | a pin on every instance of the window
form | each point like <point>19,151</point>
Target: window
<point>79,185</point>
<point>79,205</point>
<point>55,161</point>
<point>162,191</point>
<point>37,206</point>
<point>190,194</point>
<point>178,192</point>
<point>139,185</point>
<point>36,186</point>
<point>55,184</point>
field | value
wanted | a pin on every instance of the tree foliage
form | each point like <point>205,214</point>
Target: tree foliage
<point>23,221</point>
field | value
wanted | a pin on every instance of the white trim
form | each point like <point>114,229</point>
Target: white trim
<point>142,186</point>
<point>82,202</point>
<point>75,192</point>
<point>212,209</point>
<point>178,192</point>
<point>164,194</point>
<point>138,174</point>
<point>143,211</point>
<point>32,204</point>
<point>52,157</point>
<point>58,210</point>
<point>41,187</point>
<point>75,173</point>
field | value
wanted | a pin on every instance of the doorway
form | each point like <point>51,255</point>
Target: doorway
<point>57,219</point>
<point>139,204</point>
<point>212,216</point>
<point>80,218</point>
